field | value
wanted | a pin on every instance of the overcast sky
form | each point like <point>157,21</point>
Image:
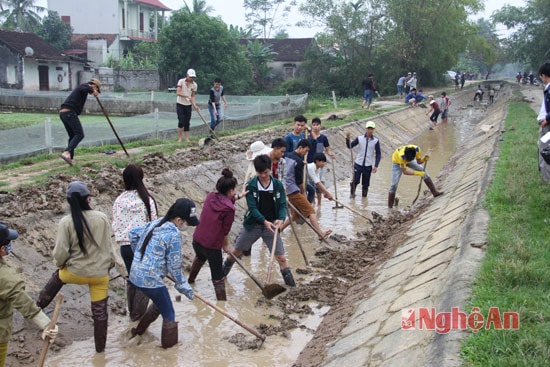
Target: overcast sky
<point>231,12</point>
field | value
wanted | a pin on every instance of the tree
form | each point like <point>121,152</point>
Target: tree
<point>529,42</point>
<point>199,7</point>
<point>201,42</point>
<point>21,15</point>
<point>55,31</point>
<point>259,55</point>
<point>266,16</point>
<point>484,50</point>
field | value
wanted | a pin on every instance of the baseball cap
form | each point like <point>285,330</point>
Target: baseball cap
<point>186,210</point>
<point>6,233</point>
<point>370,124</point>
<point>97,83</point>
<point>78,187</point>
<point>191,73</point>
<point>257,148</point>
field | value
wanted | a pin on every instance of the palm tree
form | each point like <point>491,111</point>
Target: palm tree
<point>21,15</point>
<point>199,7</point>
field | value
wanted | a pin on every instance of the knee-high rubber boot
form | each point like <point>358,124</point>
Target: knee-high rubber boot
<point>139,304</point>
<point>364,192</point>
<point>391,199</point>
<point>169,334</point>
<point>431,186</point>
<point>150,315</point>
<point>287,276</point>
<point>100,316</point>
<point>219,287</point>
<point>353,186</point>
<point>195,268</point>
<point>227,265</point>
<point>50,290</point>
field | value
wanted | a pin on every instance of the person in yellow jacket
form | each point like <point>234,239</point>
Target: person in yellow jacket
<point>407,159</point>
<point>13,296</point>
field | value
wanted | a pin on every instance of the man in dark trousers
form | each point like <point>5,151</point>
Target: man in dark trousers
<point>69,111</point>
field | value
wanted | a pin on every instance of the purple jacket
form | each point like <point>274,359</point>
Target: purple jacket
<point>217,216</point>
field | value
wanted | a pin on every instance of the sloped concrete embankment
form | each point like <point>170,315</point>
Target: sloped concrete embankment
<point>433,267</point>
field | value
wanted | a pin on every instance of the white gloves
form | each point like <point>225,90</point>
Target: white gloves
<point>50,333</point>
<point>43,322</point>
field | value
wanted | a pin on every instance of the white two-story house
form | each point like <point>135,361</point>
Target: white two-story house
<point>107,28</point>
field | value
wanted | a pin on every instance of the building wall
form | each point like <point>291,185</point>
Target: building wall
<point>59,75</point>
<point>11,69</point>
<point>88,17</point>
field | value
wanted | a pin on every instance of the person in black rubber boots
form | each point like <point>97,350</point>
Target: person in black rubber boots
<point>408,160</point>
<point>84,255</point>
<point>267,210</point>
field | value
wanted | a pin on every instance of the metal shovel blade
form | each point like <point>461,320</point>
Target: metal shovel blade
<point>272,290</point>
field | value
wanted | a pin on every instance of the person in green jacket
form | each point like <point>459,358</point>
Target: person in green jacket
<point>267,210</point>
<point>13,296</point>
<point>83,255</point>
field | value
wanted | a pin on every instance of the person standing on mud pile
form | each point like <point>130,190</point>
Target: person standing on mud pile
<point>157,251</point>
<point>367,159</point>
<point>436,110</point>
<point>185,90</point>
<point>295,188</point>
<point>13,296</point>
<point>369,90</point>
<point>214,103</point>
<point>84,254</point>
<point>211,235</point>
<point>407,160</point>
<point>293,138</point>
<point>543,119</point>
<point>133,208</point>
<point>69,112</point>
<point>445,103</point>
<point>267,209</point>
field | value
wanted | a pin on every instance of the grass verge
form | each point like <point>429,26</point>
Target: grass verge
<point>515,274</point>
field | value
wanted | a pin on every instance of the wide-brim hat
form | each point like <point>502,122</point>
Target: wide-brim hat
<point>97,83</point>
<point>257,148</point>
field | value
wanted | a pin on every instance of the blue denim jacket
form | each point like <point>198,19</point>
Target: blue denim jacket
<point>162,256</point>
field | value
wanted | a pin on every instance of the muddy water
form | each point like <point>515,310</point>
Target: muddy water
<point>204,333</point>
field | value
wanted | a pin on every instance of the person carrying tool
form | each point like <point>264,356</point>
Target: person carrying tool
<point>435,108</point>
<point>295,188</point>
<point>267,209</point>
<point>314,184</point>
<point>69,112</point>
<point>13,296</point>
<point>216,96</point>
<point>157,251</point>
<point>185,102</point>
<point>83,255</point>
<point>212,233</point>
<point>367,160</point>
<point>407,159</point>
<point>133,208</point>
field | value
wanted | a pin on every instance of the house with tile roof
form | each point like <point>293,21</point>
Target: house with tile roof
<point>289,54</point>
<point>108,28</point>
<point>29,63</point>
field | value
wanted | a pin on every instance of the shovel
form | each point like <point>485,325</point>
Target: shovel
<point>271,259</point>
<point>53,321</point>
<point>112,126</point>
<point>269,290</point>
<point>338,205</point>
<point>198,111</point>
<point>420,184</point>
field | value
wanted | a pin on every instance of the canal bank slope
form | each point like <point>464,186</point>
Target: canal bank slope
<point>433,267</point>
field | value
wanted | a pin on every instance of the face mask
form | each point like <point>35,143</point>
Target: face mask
<point>183,227</point>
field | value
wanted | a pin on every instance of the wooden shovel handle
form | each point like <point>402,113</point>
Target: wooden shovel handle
<point>53,321</point>
<point>273,246</point>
